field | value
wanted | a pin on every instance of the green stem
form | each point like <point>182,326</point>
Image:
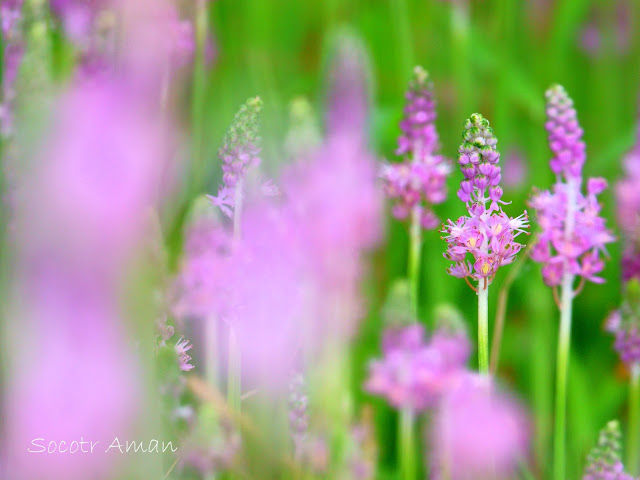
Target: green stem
<point>562,367</point>
<point>415,247</point>
<point>483,329</point>
<point>198,94</point>
<point>633,443</point>
<point>407,445</point>
<point>564,343</point>
<point>234,387</point>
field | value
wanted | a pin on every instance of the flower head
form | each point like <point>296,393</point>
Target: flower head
<point>487,233</point>
<point>573,232</point>
<point>604,461</point>
<point>420,181</point>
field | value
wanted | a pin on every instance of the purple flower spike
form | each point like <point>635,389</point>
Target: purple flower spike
<point>628,203</point>
<point>573,232</point>
<point>624,324</point>
<point>487,234</point>
<point>604,461</point>
<point>418,126</point>
<point>565,134</point>
<point>239,152</point>
<point>420,182</point>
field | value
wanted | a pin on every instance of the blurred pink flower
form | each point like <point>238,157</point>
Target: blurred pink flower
<point>77,377</point>
<point>477,432</point>
<point>78,16</point>
<point>101,169</point>
<point>81,210</point>
<point>13,51</point>
<point>348,102</point>
<point>334,201</point>
<point>514,170</point>
<point>414,373</point>
<point>201,277</point>
<point>591,39</point>
<point>263,298</point>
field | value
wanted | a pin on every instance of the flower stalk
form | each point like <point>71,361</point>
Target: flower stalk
<point>234,387</point>
<point>483,328</point>
<point>415,250</point>
<point>407,444</point>
<point>564,342</point>
<point>233,377</point>
<point>562,368</point>
<point>572,239</point>
<point>486,233</point>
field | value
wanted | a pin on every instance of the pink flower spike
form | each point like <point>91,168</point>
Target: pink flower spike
<point>419,182</point>
<point>573,232</point>
<point>487,234</point>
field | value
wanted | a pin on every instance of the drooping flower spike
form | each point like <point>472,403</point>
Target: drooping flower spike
<point>419,182</point>
<point>573,232</point>
<point>486,234</point>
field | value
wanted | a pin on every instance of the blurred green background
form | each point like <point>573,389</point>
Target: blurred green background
<point>496,57</point>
